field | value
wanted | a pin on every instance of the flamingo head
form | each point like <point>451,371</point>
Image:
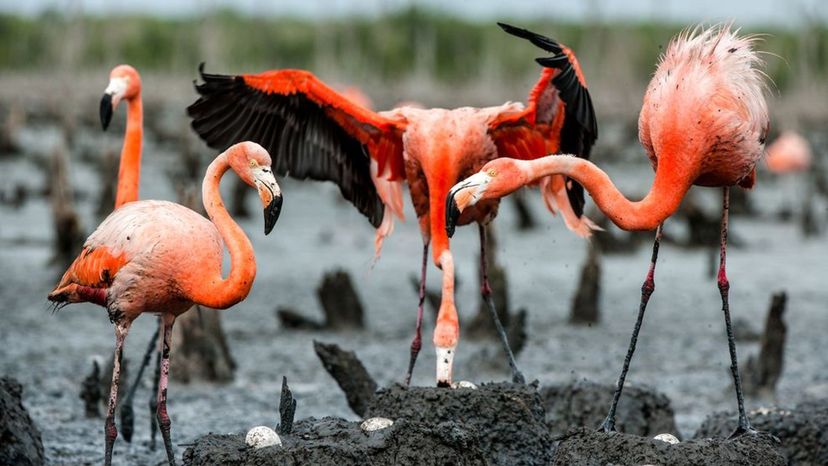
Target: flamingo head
<point>253,165</point>
<point>496,179</point>
<point>124,83</point>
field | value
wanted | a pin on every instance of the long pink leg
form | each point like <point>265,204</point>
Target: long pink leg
<point>111,432</point>
<point>486,291</point>
<point>161,414</point>
<point>447,328</point>
<point>153,401</point>
<point>646,290</point>
<point>724,289</point>
<point>417,342</point>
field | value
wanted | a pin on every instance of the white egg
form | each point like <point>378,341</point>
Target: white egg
<point>262,436</point>
<point>464,384</point>
<point>668,438</point>
<point>376,423</point>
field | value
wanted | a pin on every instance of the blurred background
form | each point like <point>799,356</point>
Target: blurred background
<point>58,170</point>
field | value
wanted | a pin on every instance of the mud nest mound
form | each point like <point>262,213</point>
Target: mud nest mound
<point>19,438</point>
<point>587,447</point>
<point>803,430</point>
<point>641,410</point>
<point>337,442</point>
<point>507,420</point>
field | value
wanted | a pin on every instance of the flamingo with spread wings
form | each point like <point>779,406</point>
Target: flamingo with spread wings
<point>703,122</point>
<point>313,132</point>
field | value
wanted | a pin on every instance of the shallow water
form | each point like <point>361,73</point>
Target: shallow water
<point>682,350</point>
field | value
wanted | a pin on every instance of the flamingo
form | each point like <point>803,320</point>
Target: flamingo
<point>125,84</point>
<point>789,153</point>
<point>161,257</point>
<point>704,121</point>
<point>316,133</point>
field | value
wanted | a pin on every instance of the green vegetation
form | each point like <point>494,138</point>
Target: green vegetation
<point>412,42</point>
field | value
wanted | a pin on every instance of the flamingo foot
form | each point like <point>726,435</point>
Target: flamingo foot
<point>743,430</point>
<point>608,426</point>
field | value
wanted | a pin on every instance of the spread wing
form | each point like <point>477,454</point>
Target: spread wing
<point>310,130</point>
<point>559,117</point>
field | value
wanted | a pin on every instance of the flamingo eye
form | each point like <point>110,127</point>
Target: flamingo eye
<point>253,163</point>
<point>492,172</point>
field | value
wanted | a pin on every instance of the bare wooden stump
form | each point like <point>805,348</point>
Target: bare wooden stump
<point>516,333</point>
<point>90,391</point>
<point>10,129</point>
<point>340,302</point>
<point>585,308</point>
<point>108,171</point>
<point>200,348</point>
<point>349,373</point>
<point>105,380</point>
<point>761,374</point>
<point>287,409</point>
<point>290,319</point>
<point>68,237</point>
<point>809,223</point>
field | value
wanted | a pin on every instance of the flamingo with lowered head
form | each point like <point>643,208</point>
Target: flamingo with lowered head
<point>314,132</point>
<point>161,257</point>
<point>703,122</point>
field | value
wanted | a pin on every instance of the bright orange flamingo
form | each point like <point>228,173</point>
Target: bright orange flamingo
<point>789,153</point>
<point>313,132</point>
<point>161,257</point>
<point>703,122</point>
<point>125,84</point>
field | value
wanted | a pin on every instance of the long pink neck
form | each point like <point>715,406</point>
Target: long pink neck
<point>213,290</point>
<point>664,197</point>
<point>129,173</point>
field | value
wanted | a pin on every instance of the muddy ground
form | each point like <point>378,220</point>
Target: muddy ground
<point>682,349</point>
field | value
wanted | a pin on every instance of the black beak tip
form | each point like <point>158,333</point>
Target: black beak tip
<point>106,111</point>
<point>452,214</point>
<point>271,214</point>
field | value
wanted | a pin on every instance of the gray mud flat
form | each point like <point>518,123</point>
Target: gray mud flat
<point>585,447</point>
<point>337,442</point>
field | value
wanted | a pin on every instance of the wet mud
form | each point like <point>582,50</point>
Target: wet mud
<point>586,447</point>
<point>802,430</point>
<point>337,442</point>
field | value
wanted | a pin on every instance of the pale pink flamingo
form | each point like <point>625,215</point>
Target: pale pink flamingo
<point>161,257</point>
<point>789,153</point>
<point>703,122</point>
<point>314,132</point>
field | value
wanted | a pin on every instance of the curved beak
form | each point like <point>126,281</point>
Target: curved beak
<point>112,95</point>
<point>462,195</point>
<point>106,111</point>
<point>271,213</point>
<point>271,196</point>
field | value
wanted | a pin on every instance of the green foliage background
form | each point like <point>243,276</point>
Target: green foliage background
<point>410,42</point>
